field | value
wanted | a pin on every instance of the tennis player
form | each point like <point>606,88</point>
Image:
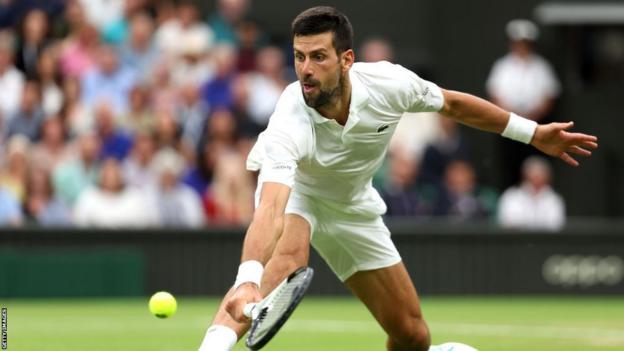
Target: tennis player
<point>327,137</point>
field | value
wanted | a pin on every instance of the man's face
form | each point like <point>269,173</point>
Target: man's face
<point>319,69</point>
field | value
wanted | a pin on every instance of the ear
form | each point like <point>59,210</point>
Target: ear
<point>347,59</point>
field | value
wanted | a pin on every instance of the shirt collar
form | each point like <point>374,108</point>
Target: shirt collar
<point>359,99</point>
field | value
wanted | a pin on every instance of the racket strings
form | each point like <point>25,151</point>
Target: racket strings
<point>271,313</point>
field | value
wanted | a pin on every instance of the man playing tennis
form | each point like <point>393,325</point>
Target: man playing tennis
<point>327,137</point>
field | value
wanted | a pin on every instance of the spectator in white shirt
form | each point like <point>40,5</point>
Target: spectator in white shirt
<point>174,36</point>
<point>111,204</point>
<point>534,204</point>
<point>523,82</point>
<point>11,80</point>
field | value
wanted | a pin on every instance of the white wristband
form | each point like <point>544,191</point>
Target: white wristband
<point>519,128</point>
<point>249,272</point>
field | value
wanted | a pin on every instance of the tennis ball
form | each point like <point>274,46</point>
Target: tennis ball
<point>162,304</point>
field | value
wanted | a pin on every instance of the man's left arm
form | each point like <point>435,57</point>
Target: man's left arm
<point>552,139</point>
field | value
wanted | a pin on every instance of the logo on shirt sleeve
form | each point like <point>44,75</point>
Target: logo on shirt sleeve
<point>382,128</point>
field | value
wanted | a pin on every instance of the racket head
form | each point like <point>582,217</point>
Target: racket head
<point>276,310</point>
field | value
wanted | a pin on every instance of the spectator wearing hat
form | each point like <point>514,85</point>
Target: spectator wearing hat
<point>524,82</point>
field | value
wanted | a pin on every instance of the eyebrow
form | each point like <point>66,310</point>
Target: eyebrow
<point>315,51</point>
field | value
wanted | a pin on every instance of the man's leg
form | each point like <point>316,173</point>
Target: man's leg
<point>291,252</point>
<point>380,290</point>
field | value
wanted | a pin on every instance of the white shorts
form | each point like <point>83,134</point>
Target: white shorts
<point>347,242</point>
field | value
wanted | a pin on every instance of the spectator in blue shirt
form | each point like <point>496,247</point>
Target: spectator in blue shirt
<point>116,143</point>
<point>29,117</point>
<point>10,213</point>
<point>108,81</point>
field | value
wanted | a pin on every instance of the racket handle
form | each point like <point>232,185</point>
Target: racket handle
<point>248,309</point>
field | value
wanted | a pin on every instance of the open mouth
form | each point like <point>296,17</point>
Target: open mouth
<point>307,87</point>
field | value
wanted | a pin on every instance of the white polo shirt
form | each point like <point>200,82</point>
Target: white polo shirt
<point>320,158</point>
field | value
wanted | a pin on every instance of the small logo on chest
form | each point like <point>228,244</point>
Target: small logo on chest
<point>382,128</point>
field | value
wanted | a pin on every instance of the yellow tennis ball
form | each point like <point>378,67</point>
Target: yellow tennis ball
<point>162,304</point>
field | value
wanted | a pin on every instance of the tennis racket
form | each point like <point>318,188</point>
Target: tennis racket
<point>270,314</point>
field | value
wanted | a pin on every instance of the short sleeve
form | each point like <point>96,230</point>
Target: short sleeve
<point>406,91</point>
<point>284,143</point>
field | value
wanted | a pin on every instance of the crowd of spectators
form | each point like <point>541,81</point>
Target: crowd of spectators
<point>140,113</point>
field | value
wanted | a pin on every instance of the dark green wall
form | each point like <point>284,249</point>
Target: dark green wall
<point>442,259</point>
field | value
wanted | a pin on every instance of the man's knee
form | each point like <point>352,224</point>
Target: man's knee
<point>410,335</point>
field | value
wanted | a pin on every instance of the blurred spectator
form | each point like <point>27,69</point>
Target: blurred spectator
<point>79,51</point>
<point>27,120</point>
<point>400,192</point>
<point>110,203</point>
<point>12,11</point>
<point>250,38</point>
<point>533,204</point>
<point>192,113</point>
<point>199,176</point>
<point>41,206</point>
<point>116,143</point>
<point>448,146</point>
<point>139,116</point>
<point>185,30</point>
<point>247,128</point>
<point>525,83</point>
<point>376,49</point>
<point>32,41</point>
<point>222,127</point>
<point>193,65</point>
<point>266,84</point>
<point>109,81</point>
<point>52,150</point>
<point>522,81</point>
<point>72,19</point>
<point>229,199</point>
<point>460,198</point>
<point>137,167</point>
<point>49,77</point>
<point>15,165</point>
<point>103,12</point>
<point>165,12</point>
<point>175,203</point>
<point>217,92</point>
<point>11,79</point>
<point>77,117</point>
<point>71,177</point>
<point>138,53</point>
<point>10,213</point>
<point>225,20</point>
<point>164,95</point>
<point>116,31</point>
<point>167,130</point>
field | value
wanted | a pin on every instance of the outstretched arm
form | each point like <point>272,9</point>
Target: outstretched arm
<point>262,236</point>
<point>552,139</point>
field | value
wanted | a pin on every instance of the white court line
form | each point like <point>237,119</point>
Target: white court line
<point>590,334</point>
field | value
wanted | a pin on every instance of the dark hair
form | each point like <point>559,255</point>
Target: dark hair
<point>322,19</point>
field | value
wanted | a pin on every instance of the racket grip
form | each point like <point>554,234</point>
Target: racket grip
<point>248,309</point>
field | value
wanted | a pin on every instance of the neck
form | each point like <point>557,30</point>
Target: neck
<point>339,109</point>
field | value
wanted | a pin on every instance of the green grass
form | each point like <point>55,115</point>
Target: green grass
<point>338,324</point>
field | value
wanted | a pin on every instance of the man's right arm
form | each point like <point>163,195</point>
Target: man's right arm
<point>260,240</point>
<point>267,224</point>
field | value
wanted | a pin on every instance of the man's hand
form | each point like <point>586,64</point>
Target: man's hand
<point>553,139</point>
<point>244,294</point>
